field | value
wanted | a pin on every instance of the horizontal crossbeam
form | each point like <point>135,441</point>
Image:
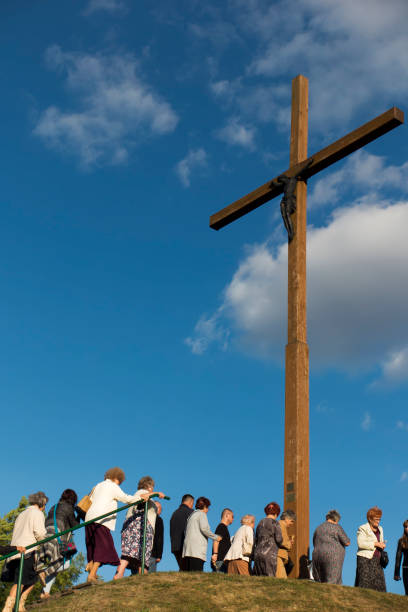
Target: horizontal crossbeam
<point>353,141</point>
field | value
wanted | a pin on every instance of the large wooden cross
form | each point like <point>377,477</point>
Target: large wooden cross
<point>296,463</point>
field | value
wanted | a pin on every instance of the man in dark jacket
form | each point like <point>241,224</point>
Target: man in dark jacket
<point>157,550</point>
<point>178,524</point>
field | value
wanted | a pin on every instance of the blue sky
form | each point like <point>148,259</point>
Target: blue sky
<point>134,335</point>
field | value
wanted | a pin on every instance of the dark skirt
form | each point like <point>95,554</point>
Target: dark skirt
<point>99,545</point>
<point>370,574</point>
<point>29,576</point>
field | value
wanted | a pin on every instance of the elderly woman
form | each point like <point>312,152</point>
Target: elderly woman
<point>132,530</point>
<point>402,553</point>
<point>196,538</point>
<point>329,542</point>
<point>62,516</point>
<point>268,539</point>
<point>28,529</point>
<point>239,555</point>
<point>284,565</point>
<point>370,541</point>
<point>98,537</point>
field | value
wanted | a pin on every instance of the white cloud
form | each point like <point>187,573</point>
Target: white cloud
<point>237,134</point>
<point>404,476</point>
<point>402,425</point>
<point>361,170</point>
<point>366,423</point>
<point>111,6</point>
<point>207,331</point>
<point>116,108</point>
<point>353,53</point>
<point>395,366</point>
<point>195,158</point>
<point>357,290</point>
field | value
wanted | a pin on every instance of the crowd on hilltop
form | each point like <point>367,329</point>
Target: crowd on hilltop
<point>265,551</point>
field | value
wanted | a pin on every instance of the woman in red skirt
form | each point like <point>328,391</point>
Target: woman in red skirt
<point>98,536</point>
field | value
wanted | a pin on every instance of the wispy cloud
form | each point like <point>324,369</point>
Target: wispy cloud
<point>111,6</point>
<point>322,40</point>
<point>114,108</point>
<point>402,425</point>
<point>236,133</point>
<point>404,476</point>
<point>195,159</point>
<point>366,423</point>
<point>207,331</point>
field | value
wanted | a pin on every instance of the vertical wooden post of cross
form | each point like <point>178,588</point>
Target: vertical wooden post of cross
<point>296,473</point>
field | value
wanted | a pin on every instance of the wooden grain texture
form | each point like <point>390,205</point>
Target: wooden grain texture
<point>353,141</point>
<point>296,462</point>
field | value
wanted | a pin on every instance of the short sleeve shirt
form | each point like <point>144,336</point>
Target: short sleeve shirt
<point>225,544</point>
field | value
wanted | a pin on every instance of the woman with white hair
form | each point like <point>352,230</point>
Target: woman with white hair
<point>239,555</point>
<point>28,529</point>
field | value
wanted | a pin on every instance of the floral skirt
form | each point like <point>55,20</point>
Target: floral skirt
<point>132,538</point>
<point>370,574</point>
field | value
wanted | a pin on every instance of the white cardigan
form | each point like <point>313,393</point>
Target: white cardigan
<point>242,544</point>
<point>366,539</point>
<point>104,498</point>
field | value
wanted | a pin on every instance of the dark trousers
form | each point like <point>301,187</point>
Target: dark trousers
<point>180,561</point>
<point>405,579</point>
<point>193,564</point>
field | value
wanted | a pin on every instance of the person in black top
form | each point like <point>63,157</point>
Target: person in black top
<point>220,549</point>
<point>157,550</point>
<point>178,524</point>
<point>402,554</point>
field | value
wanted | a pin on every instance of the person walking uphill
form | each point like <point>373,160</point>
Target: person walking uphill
<point>197,533</point>
<point>329,541</point>
<point>28,529</point>
<point>158,540</point>
<point>178,524</point>
<point>98,537</point>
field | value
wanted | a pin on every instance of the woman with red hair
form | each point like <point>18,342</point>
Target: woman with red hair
<point>268,539</point>
<point>370,541</point>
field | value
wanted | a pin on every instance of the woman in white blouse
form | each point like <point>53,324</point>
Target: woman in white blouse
<point>98,537</point>
<point>239,555</point>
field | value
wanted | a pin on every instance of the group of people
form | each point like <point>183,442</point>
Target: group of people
<point>266,551</point>
<point>262,552</point>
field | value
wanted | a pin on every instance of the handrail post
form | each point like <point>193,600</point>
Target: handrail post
<point>144,537</point>
<point>20,576</point>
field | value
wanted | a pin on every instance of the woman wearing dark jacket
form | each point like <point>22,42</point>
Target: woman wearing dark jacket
<point>402,554</point>
<point>66,516</point>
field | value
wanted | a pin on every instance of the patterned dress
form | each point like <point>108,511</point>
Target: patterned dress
<point>132,538</point>
<point>329,541</point>
<point>268,538</point>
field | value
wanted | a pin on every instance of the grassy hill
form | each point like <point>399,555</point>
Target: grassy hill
<point>210,592</point>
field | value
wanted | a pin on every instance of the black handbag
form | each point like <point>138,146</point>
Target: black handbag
<point>384,559</point>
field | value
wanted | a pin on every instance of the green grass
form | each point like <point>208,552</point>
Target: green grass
<point>213,592</point>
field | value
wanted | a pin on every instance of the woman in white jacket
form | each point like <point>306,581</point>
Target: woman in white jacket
<point>370,541</point>
<point>239,555</point>
<point>196,538</point>
<point>98,537</point>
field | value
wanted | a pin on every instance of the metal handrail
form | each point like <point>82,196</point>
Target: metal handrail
<point>81,526</point>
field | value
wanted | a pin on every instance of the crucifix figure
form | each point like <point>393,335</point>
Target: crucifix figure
<point>293,207</point>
